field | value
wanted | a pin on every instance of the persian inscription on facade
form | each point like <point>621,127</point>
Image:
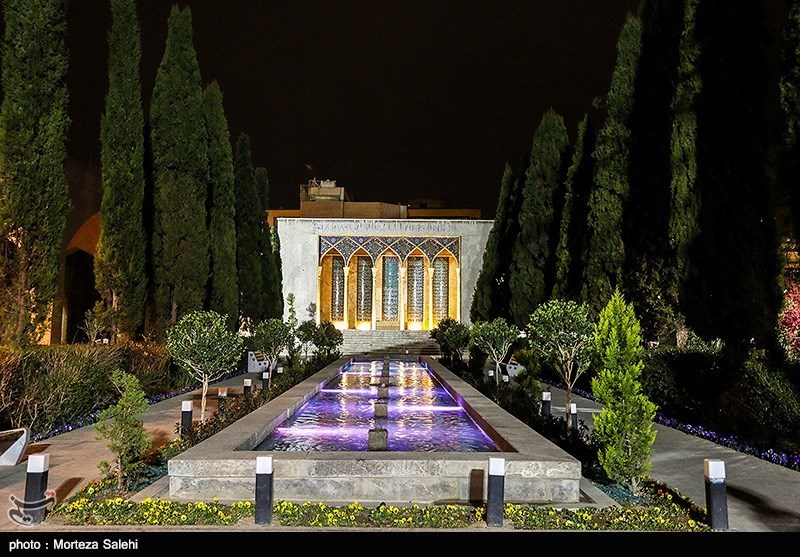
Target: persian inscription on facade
<point>348,226</point>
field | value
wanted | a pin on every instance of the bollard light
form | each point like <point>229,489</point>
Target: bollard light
<point>546,401</point>
<point>495,497</point>
<point>222,399</point>
<point>248,386</point>
<point>36,486</point>
<point>264,380</point>
<point>280,369</point>
<point>264,484</point>
<point>573,411</point>
<point>186,416</point>
<point>716,494</point>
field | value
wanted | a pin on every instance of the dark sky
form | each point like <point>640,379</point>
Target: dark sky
<point>393,99</point>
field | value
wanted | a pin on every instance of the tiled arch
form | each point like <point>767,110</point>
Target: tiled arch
<point>431,246</point>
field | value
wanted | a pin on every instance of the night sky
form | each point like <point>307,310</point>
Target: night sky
<point>392,99</point>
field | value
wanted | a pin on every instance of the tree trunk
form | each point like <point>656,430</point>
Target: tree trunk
<point>119,472</point>
<point>203,400</point>
<point>568,403</point>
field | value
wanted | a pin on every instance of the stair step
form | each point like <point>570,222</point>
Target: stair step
<point>388,341</point>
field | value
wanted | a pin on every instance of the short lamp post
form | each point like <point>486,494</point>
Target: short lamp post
<point>716,495</point>
<point>263,514</point>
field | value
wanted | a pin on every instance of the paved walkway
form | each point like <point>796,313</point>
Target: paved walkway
<point>74,456</point>
<point>761,496</point>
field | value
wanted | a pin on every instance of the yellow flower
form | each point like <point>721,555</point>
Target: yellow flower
<point>183,517</point>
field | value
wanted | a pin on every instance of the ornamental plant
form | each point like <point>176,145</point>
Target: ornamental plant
<point>305,334</point>
<point>452,338</point>
<point>495,338</point>
<point>561,332</point>
<point>327,340</point>
<point>271,337</point>
<point>202,344</point>
<point>624,427</point>
<point>126,433</point>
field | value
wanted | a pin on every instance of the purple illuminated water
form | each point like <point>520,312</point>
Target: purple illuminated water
<point>422,415</point>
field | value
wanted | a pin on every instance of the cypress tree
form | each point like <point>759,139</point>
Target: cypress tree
<point>248,232</point>
<point>606,255</point>
<point>532,265</point>
<point>683,229</point>
<point>649,281</point>
<point>624,427</point>
<point>119,266</point>
<point>571,249</point>
<point>276,250</point>
<point>273,298</point>
<point>180,174</point>
<point>790,100</point>
<point>733,292</point>
<point>224,289</point>
<point>34,199</point>
<point>488,289</point>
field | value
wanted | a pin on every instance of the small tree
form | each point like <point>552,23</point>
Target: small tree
<point>292,347</point>
<point>560,331</point>
<point>203,345</point>
<point>271,337</point>
<point>327,340</point>
<point>305,334</point>
<point>126,433</point>
<point>624,426</point>
<point>495,338</point>
<point>453,338</point>
<point>97,321</point>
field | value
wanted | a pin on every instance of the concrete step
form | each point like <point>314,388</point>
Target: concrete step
<point>389,342</point>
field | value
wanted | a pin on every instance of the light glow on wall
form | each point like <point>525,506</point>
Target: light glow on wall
<point>415,326</point>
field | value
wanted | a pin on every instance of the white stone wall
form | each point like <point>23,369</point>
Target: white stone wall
<point>300,250</point>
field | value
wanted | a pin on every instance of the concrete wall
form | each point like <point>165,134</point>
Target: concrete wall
<point>300,250</point>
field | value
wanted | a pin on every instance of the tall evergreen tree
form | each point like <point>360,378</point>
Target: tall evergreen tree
<point>572,235</point>
<point>276,250</point>
<point>650,268</point>
<point>224,289</point>
<point>34,200</point>
<point>273,297</point>
<point>180,174</point>
<point>488,289</point>
<point>532,263</point>
<point>606,255</point>
<point>119,266</point>
<point>684,199</point>
<point>624,427</point>
<point>790,100</point>
<point>248,232</point>
<point>733,292</point>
